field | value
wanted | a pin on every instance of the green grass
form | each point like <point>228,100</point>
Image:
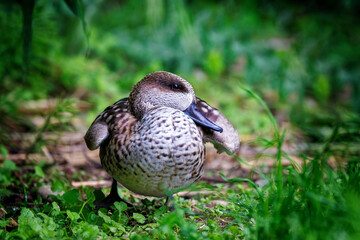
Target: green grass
<point>276,49</point>
<point>302,64</point>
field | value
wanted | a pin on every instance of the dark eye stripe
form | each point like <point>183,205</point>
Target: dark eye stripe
<point>173,84</point>
<point>176,86</point>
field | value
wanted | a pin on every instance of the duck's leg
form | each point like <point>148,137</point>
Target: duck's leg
<point>111,198</point>
<point>167,202</point>
<point>170,203</point>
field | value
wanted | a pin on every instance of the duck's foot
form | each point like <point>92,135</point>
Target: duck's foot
<point>111,198</point>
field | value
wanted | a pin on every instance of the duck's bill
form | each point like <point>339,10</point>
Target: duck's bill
<point>193,112</point>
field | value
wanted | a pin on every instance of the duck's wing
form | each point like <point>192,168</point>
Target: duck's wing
<point>115,118</point>
<point>229,138</point>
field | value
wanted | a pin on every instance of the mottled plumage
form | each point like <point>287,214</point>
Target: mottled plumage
<point>153,141</point>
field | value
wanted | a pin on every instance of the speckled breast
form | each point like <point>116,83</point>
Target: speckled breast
<point>165,152</point>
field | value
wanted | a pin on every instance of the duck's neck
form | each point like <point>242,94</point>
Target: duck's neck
<point>139,109</point>
<point>138,106</point>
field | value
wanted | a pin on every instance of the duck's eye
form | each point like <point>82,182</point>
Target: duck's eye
<point>176,86</point>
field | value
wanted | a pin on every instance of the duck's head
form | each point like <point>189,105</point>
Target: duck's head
<point>159,89</point>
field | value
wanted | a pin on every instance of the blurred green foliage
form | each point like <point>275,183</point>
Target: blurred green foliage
<point>97,50</point>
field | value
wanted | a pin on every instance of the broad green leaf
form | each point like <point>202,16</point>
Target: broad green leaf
<point>121,206</point>
<point>49,223</point>
<point>10,165</point>
<point>159,212</point>
<point>84,230</point>
<point>109,223</point>
<point>39,172</point>
<point>58,186</point>
<point>92,218</point>
<point>139,217</point>
<point>27,219</point>
<point>74,216</point>
<point>71,197</point>
<point>106,218</point>
<point>26,213</point>
<point>151,225</point>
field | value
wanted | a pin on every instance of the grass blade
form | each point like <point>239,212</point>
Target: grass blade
<point>266,108</point>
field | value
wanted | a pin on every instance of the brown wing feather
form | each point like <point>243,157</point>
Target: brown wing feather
<point>114,119</point>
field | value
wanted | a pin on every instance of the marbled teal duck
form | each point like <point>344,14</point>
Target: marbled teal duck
<point>153,141</point>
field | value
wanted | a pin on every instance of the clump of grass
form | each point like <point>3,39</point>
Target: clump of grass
<point>315,202</point>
